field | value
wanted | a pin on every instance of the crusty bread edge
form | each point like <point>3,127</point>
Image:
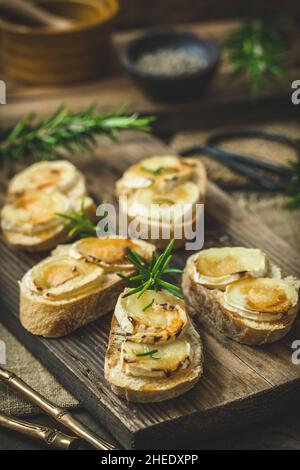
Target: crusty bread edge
<point>206,304</point>
<point>153,390</point>
<point>53,319</point>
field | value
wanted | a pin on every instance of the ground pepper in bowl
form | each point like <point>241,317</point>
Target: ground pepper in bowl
<point>170,61</point>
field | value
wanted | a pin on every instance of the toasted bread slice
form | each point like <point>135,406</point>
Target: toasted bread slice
<point>156,226</point>
<point>27,220</point>
<point>151,389</point>
<point>46,240</point>
<point>49,176</point>
<point>54,319</point>
<point>208,304</point>
<point>59,316</point>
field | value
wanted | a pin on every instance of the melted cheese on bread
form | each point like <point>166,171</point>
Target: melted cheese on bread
<point>108,252</point>
<point>163,171</point>
<point>218,267</point>
<point>262,299</point>
<point>47,176</point>
<point>168,205</point>
<point>35,212</point>
<point>152,318</point>
<point>161,361</point>
<point>62,278</point>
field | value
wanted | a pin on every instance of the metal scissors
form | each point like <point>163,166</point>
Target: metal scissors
<point>245,164</point>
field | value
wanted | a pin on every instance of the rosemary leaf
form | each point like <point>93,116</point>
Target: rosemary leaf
<point>151,273</point>
<point>148,305</point>
<point>64,133</point>
<point>79,223</point>
<point>149,353</point>
<point>256,50</point>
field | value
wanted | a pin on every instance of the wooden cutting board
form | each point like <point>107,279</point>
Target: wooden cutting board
<point>240,384</point>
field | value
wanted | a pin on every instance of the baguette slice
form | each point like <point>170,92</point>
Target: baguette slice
<point>54,318</point>
<point>40,182</point>
<point>208,305</point>
<point>46,240</point>
<point>198,176</point>
<point>150,389</point>
<point>49,176</point>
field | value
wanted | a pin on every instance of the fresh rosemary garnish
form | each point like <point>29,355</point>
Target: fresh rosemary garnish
<point>150,273</point>
<point>148,305</point>
<point>150,353</point>
<point>255,48</point>
<point>64,133</point>
<point>79,223</point>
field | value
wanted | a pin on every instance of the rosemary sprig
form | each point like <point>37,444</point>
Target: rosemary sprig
<point>150,353</point>
<point>64,133</point>
<point>255,49</point>
<point>79,223</point>
<point>148,305</point>
<point>150,274</point>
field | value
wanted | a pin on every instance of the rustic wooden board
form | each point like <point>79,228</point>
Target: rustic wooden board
<point>240,384</point>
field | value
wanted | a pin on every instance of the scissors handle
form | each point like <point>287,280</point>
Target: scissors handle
<point>244,164</point>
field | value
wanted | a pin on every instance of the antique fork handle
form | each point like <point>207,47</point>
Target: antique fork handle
<point>60,415</point>
<point>50,437</point>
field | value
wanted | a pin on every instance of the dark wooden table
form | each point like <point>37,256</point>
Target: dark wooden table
<point>279,433</point>
<point>225,102</point>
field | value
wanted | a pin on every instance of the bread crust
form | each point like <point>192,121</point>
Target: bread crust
<point>160,242</point>
<point>150,389</point>
<point>208,306</point>
<point>56,319</point>
<point>53,319</point>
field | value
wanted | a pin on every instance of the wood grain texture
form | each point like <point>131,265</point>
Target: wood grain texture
<point>241,384</point>
<point>58,56</point>
<point>147,12</point>
<point>227,98</point>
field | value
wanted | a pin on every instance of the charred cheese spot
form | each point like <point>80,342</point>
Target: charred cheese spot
<point>61,277</point>
<point>153,318</point>
<point>261,295</point>
<point>109,253</point>
<point>57,274</point>
<point>217,267</point>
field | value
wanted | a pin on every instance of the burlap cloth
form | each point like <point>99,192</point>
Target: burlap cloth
<point>268,206</point>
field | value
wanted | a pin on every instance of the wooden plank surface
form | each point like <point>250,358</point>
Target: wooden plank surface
<point>240,383</point>
<point>227,99</point>
<point>144,13</point>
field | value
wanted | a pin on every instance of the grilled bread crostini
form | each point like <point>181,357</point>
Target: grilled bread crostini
<point>76,285</point>
<point>30,219</point>
<point>49,176</point>
<point>162,193</point>
<point>154,351</point>
<point>240,293</point>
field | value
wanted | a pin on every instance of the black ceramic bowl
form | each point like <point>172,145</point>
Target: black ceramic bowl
<point>184,87</point>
